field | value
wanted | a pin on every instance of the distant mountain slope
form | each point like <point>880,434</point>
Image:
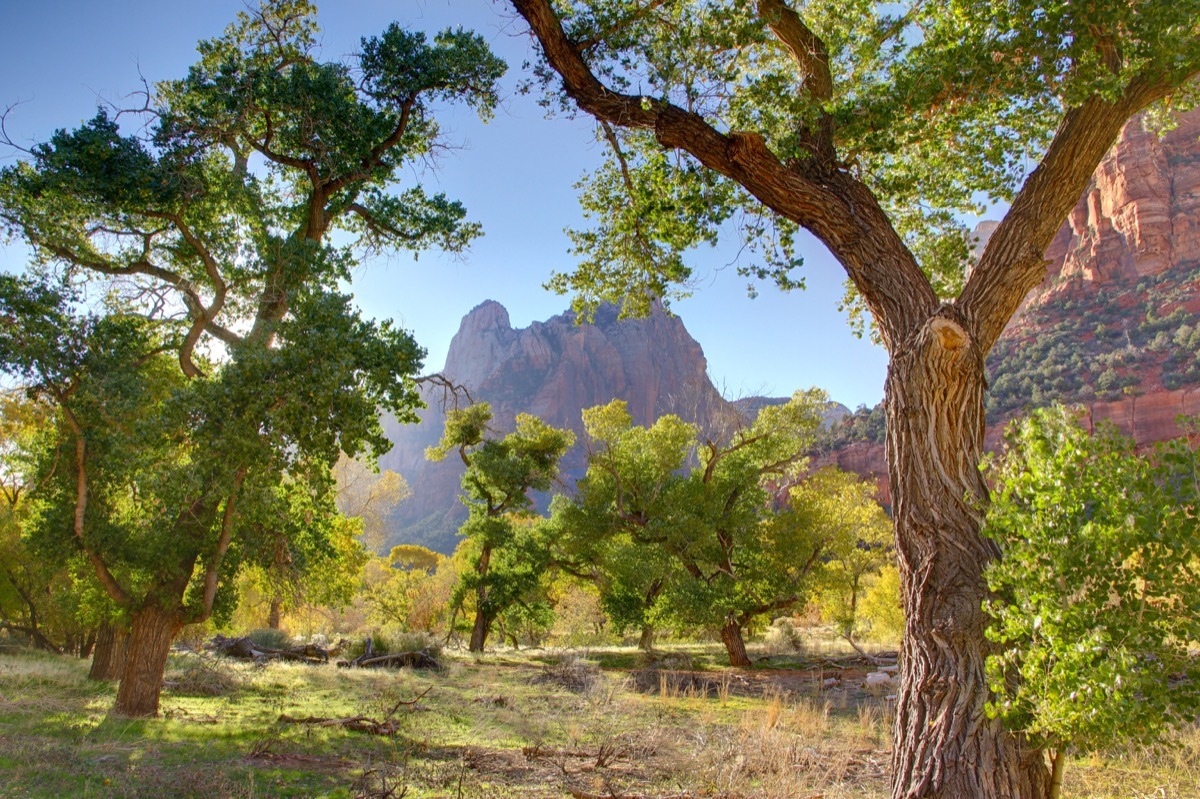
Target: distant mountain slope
<point>552,369</point>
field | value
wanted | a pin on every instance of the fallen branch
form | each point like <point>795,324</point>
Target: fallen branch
<point>245,649</point>
<point>387,726</point>
<point>368,659</point>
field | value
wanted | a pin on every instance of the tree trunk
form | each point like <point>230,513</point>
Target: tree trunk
<point>945,746</point>
<point>146,653</point>
<point>275,614</point>
<point>646,641</point>
<point>479,632</point>
<point>108,656</point>
<point>731,636</point>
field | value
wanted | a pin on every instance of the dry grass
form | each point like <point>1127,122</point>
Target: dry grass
<point>502,726</point>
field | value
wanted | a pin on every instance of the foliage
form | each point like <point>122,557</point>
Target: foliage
<point>881,611</point>
<point>504,543</point>
<point>1099,344</point>
<point>860,536</point>
<point>213,233</point>
<point>683,532</point>
<point>932,108</point>
<point>408,589</point>
<point>365,493</point>
<point>1097,594</point>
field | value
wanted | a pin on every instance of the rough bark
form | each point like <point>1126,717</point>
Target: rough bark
<point>735,645</point>
<point>946,747</point>
<point>108,655</point>
<point>146,652</point>
<point>275,614</point>
<point>479,631</point>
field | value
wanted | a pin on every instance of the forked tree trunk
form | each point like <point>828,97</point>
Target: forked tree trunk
<point>108,656</point>
<point>735,645</point>
<point>646,640</point>
<point>945,746</point>
<point>146,652</point>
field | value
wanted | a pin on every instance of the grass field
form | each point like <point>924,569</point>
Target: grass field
<point>505,725</point>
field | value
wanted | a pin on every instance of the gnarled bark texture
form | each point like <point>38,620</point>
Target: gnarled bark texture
<point>735,645</point>
<point>945,745</point>
<point>108,655</point>
<point>146,652</point>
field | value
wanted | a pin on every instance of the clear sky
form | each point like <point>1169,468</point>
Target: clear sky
<point>59,58</point>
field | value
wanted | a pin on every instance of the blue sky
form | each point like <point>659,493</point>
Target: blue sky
<point>59,58</point>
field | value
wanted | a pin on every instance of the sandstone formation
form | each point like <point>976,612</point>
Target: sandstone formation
<point>1141,214</point>
<point>551,369</point>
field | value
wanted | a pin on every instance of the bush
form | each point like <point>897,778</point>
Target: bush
<point>270,638</point>
<point>782,637</point>
<point>394,643</point>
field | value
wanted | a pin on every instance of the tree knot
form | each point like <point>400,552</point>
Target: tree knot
<point>746,145</point>
<point>949,334</point>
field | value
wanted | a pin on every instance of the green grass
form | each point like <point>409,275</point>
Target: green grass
<point>505,725</point>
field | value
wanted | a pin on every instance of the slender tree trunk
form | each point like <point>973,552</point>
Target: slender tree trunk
<point>646,641</point>
<point>735,645</point>
<point>945,746</point>
<point>146,652</point>
<point>483,622</point>
<point>108,656</point>
<point>88,644</point>
<point>275,614</point>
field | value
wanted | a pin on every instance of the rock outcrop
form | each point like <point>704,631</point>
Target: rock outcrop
<point>1141,214</point>
<point>553,370</point>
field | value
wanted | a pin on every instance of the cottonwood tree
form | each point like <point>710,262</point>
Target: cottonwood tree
<point>702,512</point>
<point>215,225</point>
<point>505,544</point>
<point>861,544</point>
<point>1096,597</point>
<point>871,125</point>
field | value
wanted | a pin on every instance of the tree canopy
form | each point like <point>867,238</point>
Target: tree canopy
<point>504,541</point>
<point>208,232</point>
<point>874,126</point>
<point>685,531</point>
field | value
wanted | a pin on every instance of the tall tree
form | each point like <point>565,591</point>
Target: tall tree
<point>714,551</point>
<point>871,125</point>
<point>503,540</point>
<point>215,227</point>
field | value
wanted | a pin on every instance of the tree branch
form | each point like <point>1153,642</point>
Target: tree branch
<point>808,51</point>
<point>103,574</point>
<point>1013,264</point>
<point>834,206</point>
<point>213,568</point>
